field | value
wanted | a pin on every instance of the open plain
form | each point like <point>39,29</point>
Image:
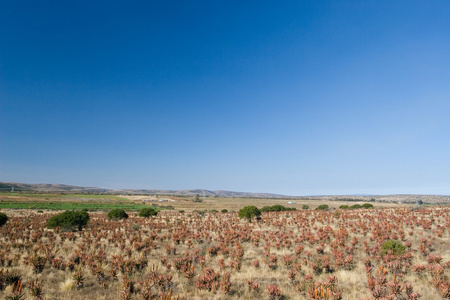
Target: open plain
<point>193,250</point>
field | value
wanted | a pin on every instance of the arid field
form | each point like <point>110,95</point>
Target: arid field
<point>302,254</point>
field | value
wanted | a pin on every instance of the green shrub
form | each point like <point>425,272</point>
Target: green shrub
<point>276,207</point>
<point>322,207</point>
<point>69,220</point>
<point>249,212</point>
<point>117,214</point>
<point>224,210</point>
<point>147,212</point>
<point>356,206</point>
<point>396,247</point>
<point>305,206</point>
<point>266,209</point>
<point>3,219</point>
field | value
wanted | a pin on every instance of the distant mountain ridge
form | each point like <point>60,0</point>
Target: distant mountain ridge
<point>64,188</point>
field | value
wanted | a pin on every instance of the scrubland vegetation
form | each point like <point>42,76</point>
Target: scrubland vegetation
<point>393,253</point>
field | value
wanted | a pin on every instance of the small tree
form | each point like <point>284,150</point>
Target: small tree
<point>117,214</point>
<point>3,219</point>
<point>147,212</point>
<point>197,199</point>
<point>249,212</point>
<point>69,220</point>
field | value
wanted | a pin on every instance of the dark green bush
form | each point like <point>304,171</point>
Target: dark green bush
<point>69,220</point>
<point>147,212</point>
<point>117,214</point>
<point>266,209</point>
<point>322,207</point>
<point>356,206</point>
<point>249,212</point>
<point>305,206</point>
<point>396,247</point>
<point>367,205</point>
<point>3,219</point>
<point>224,210</point>
<point>276,207</point>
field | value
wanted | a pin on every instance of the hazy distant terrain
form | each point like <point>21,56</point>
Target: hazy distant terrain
<point>25,187</point>
<point>63,188</point>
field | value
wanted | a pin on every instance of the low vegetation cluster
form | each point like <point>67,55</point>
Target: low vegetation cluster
<point>356,206</point>
<point>117,214</point>
<point>395,253</point>
<point>277,207</point>
<point>3,219</point>
<point>322,207</point>
<point>69,220</point>
<point>147,212</point>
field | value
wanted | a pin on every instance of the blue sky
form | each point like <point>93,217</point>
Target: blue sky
<point>289,97</point>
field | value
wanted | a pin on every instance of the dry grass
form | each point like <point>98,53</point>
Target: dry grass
<point>193,236</point>
<point>234,204</point>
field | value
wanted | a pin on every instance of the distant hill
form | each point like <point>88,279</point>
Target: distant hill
<point>63,188</point>
<point>50,188</point>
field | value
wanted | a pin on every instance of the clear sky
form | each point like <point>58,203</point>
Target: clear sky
<point>289,97</point>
